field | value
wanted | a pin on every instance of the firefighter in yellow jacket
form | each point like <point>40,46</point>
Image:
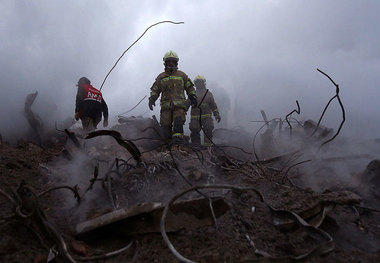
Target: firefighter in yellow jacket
<point>202,114</point>
<point>172,84</point>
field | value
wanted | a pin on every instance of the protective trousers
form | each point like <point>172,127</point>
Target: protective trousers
<point>172,123</point>
<point>195,128</point>
<point>89,124</point>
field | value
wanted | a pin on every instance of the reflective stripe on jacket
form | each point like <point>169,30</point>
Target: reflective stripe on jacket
<point>172,87</point>
<point>202,116</point>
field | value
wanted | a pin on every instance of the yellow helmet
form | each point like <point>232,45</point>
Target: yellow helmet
<point>170,55</point>
<point>199,78</point>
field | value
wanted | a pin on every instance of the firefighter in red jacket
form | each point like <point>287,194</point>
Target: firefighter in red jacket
<point>90,105</point>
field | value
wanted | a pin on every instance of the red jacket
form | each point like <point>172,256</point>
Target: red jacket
<point>90,102</point>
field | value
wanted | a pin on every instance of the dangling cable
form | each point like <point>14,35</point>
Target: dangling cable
<point>117,61</point>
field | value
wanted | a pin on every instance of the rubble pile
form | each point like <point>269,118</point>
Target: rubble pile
<point>109,196</point>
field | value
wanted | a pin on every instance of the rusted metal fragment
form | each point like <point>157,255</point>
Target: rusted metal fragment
<point>145,218</point>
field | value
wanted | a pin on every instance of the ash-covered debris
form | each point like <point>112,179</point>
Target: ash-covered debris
<point>236,141</point>
<point>144,132</point>
<point>145,218</point>
<point>42,131</point>
<point>368,183</point>
<point>33,119</point>
<point>261,209</point>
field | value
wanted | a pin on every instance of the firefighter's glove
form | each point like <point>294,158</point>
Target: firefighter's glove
<point>187,104</point>
<point>217,116</point>
<point>193,100</point>
<point>105,123</point>
<point>152,102</point>
<point>77,116</point>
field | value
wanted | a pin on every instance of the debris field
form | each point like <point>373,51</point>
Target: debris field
<point>109,197</point>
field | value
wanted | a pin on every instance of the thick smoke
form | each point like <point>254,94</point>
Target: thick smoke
<point>262,55</point>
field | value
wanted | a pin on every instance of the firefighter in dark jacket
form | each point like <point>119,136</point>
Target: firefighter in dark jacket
<point>172,85</point>
<point>90,105</point>
<point>202,114</point>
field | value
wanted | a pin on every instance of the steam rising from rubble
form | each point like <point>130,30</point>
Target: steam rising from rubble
<point>264,58</point>
<point>337,164</point>
<point>157,180</point>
